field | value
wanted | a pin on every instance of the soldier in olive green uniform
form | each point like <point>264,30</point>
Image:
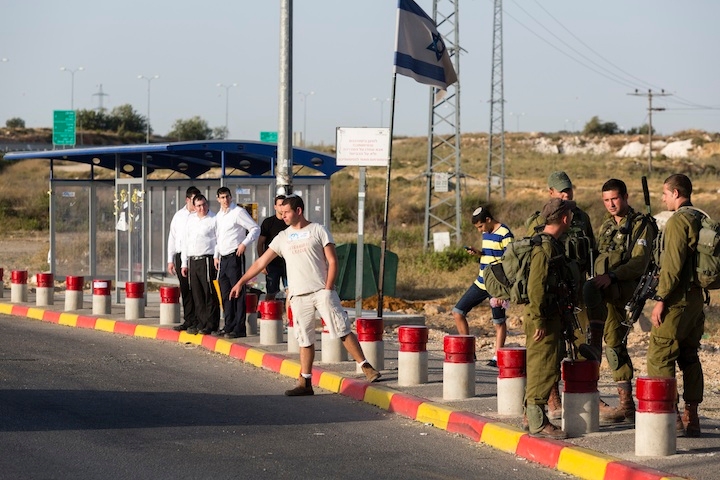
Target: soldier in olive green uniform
<point>678,319</point>
<point>624,244</point>
<point>543,328</point>
<point>579,245</point>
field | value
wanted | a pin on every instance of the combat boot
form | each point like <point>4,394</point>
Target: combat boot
<point>691,421</point>
<point>592,348</point>
<point>679,427</point>
<point>554,405</point>
<point>624,412</point>
<point>303,387</point>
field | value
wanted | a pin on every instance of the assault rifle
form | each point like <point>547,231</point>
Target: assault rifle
<point>647,287</point>
<point>568,317</point>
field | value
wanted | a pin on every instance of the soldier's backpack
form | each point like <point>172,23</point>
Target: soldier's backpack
<point>508,279</point>
<point>707,257</point>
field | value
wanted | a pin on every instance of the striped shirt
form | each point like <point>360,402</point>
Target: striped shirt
<point>493,246</point>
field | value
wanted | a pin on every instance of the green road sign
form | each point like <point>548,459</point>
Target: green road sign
<point>64,127</point>
<point>270,137</point>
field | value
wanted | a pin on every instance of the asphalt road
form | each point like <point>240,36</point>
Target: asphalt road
<point>78,403</point>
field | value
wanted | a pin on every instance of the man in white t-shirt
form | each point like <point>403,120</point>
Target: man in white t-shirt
<point>312,267</point>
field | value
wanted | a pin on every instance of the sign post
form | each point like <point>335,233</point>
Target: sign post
<point>362,147</point>
<point>64,127</point>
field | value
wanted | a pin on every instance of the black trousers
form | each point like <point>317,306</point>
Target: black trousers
<point>207,307</point>
<point>187,301</point>
<point>232,268</point>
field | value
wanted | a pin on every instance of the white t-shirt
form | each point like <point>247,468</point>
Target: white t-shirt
<point>304,253</point>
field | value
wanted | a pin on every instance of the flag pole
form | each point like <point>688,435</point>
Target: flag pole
<point>383,244</point>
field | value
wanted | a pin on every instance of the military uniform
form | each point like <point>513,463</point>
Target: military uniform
<point>677,339</point>
<point>625,250</point>
<point>547,269</point>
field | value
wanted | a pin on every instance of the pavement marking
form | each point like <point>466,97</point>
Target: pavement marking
<point>434,414</point>
<point>562,456</point>
<point>584,463</point>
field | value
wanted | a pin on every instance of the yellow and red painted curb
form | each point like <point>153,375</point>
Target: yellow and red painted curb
<point>562,456</point>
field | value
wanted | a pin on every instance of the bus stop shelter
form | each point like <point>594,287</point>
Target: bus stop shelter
<point>112,220</point>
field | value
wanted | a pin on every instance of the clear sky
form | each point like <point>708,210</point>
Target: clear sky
<point>564,62</point>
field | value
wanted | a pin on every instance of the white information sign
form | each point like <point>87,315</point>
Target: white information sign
<point>363,147</point>
<point>441,182</point>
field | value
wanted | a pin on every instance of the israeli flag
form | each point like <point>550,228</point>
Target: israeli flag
<point>420,51</point>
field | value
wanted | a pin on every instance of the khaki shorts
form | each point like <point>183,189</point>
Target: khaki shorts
<point>327,303</point>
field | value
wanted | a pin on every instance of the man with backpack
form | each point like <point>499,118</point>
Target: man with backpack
<point>624,243</point>
<point>495,239</point>
<point>678,320</point>
<point>543,318</point>
<point>579,245</point>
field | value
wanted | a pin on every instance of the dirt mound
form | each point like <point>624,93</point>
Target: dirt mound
<point>389,304</point>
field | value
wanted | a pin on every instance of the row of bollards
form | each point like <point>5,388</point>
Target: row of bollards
<point>654,421</point>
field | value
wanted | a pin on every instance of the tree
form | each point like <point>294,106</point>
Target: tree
<point>194,128</point>
<point>219,133</point>
<point>124,119</point>
<point>94,120</point>
<point>15,122</point>
<point>596,127</point>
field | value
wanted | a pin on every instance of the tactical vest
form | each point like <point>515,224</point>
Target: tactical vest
<point>615,242</point>
<point>578,246</point>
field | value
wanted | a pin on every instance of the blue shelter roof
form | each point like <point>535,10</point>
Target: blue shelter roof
<point>189,158</point>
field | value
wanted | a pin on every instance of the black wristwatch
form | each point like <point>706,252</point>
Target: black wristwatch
<point>658,298</point>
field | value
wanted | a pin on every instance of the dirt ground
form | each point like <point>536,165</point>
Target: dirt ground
<point>28,251</point>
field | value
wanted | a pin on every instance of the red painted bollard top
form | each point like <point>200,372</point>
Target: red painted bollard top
<point>19,277</point>
<point>512,362</point>
<point>459,348</point>
<point>169,294</point>
<point>369,329</point>
<point>413,338</point>
<point>74,283</point>
<point>45,280</point>
<point>102,287</point>
<point>271,309</point>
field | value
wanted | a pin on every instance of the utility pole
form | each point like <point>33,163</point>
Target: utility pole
<point>443,175</point>
<point>496,136</point>
<point>650,96</point>
<point>100,94</point>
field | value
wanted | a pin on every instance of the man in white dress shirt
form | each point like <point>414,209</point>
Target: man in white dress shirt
<point>175,241</point>
<point>236,231</point>
<point>198,265</point>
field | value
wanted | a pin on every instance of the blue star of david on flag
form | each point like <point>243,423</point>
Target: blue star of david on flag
<point>437,46</point>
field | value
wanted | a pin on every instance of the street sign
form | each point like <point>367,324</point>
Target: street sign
<point>362,146</point>
<point>64,127</point>
<point>270,137</point>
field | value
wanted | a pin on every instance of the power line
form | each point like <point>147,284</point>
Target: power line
<point>650,109</point>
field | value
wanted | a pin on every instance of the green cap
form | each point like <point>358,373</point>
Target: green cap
<point>559,181</point>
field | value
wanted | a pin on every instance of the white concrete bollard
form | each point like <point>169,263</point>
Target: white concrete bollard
<point>370,335</point>
<point>511,381</point>
<point>332,350</point>
<point>18,286</point>
<point>580,398</point>
<point>251,313</point>
<point>101,297</point>
<point>292,342</point>
<point>169,305</point>
<point>74,292</point>
<point>45,292</point>
<point>134,300</point>
<point>271,322</point>
<point>459,367</point>
<point>412,355</point>
<point>655,417</point>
